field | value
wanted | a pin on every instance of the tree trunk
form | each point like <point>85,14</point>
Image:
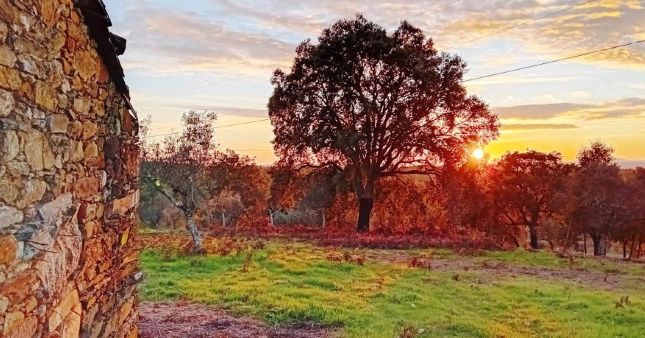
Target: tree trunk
<point>533,236</point>
<point>566,239</point>
<point>364,212</point>
<point>584,242</point>
<point>516,241</point>
<point>223,219</point>
<point>624,249</point>
<point>599,248</point>
<point>194,233</point>
<point>324,221</point>
<point>271,217</point>
<point>632,248</point>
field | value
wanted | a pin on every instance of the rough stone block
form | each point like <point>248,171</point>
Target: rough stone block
<point>81,105</point>
<point>19,287</point>
<point>63,309</point>
<point>24,328</point>
<point>7,102</point>
<point>56,265</point>
<point>32,66</point>
<point>33,191</point>
<point>11,321</point>
<point>4,31</point>
<point>76,152</point>
<point>58,123</point>
<point>9,78</point>
<point>53,210</point>
<point>9,145</point>
<point>71,326</point>
<point>86,187</point>
<point>26,92</point>
<point>91,152</point>
<point>32,141</point>
<point>49,11</point>
<point>85,65</point>
<point>89,129</point>
<point>49,159</point>
<point>122,205</point>
<point>45,95</point>
<point>8,250</point>
<point>7,56</point>
<point>9,216</point>
<point>9,190</point>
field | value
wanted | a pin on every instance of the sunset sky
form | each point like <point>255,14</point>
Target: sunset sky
<point>219,55</point>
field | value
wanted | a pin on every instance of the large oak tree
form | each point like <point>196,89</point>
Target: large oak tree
<point>373,104</point>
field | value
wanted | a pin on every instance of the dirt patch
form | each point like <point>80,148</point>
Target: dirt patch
<point>494,270</point>
<point>178,320</point>
<point>607,281</point>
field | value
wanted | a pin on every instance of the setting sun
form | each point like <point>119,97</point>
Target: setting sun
<point>478,153</point>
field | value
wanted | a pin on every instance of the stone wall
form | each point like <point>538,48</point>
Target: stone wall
<point>68,180</point>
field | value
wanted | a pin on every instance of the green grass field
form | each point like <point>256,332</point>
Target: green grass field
<point>496,294</point>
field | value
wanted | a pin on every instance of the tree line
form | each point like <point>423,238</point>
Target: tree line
<point>524,198</point>
<point>376,129</point>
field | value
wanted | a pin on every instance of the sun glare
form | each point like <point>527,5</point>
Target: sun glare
<point>478,153</point>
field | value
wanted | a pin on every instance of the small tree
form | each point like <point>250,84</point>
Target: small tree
<point>304,192</point>
<point>597,193</point>
<point>633,230</point>
<point>524,187</point>
<point>467,203</point>
<point>180,168</point>
<point>249,186</point>
<point>372,104</point>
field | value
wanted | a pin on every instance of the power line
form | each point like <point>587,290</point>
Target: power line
<point>526,22</point>
<point>175,93</point>
<point>183,91</point>
<point>216,127</point>
<point>467,80</point>
<point>556,60</point>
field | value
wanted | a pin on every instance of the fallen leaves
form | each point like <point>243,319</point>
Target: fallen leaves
<point>424,262</point>
<point>170,244</point>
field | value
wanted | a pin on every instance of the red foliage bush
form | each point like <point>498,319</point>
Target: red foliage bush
<point>347,237</point>
<point>407,241</point>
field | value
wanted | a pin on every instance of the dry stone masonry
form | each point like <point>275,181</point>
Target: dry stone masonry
<point>68,174</point>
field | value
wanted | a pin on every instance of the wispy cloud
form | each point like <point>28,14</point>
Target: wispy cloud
<point>233,111</point>
<point>624,108</point>
<point>538,126</point>
<point>537,111</point>
<point>244,36</point>
<point>168,41</point>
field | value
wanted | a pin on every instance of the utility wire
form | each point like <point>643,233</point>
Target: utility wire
<point>179,92</point>
<point>556,60</point>
<point>183,91</point>
<point>216,127</point>
<point>467,80</point>
<point>525,22</point>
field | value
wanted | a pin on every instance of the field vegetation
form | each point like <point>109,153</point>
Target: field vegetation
<point>411,292</point>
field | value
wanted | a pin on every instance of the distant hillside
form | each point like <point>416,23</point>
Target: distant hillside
<point>630,164</point>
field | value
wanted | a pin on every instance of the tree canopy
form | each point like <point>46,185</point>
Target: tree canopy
<point>373,104</point>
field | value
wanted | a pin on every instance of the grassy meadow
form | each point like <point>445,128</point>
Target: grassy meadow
<point>377,293</point>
